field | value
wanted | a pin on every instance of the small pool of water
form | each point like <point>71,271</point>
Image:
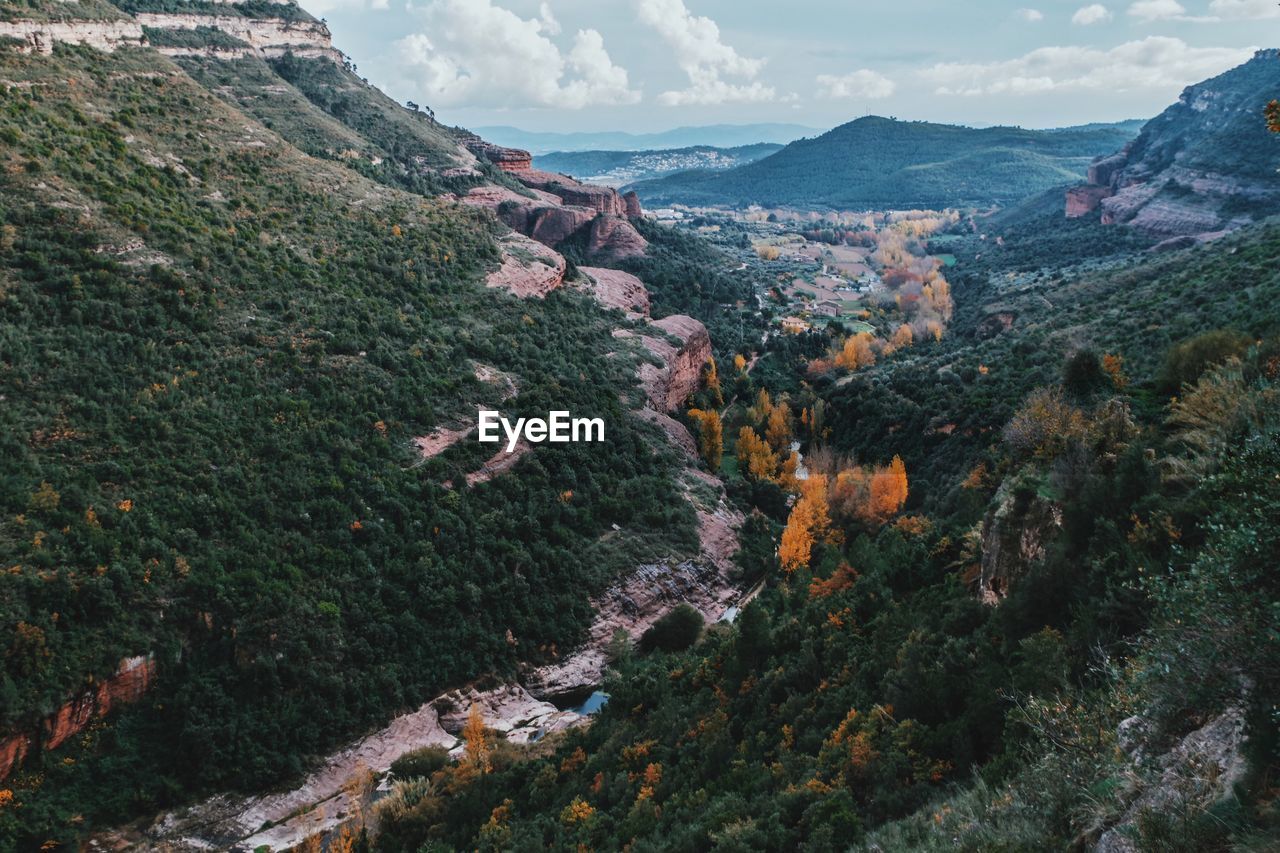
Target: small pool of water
<point>729,615</point>
<point>593,703</point>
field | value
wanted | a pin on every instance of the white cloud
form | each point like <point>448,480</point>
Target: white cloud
<point>1030,15</point>
<point>322,7</point>
<point>481,55</point>
<point>1149,11</point>
<point>550,25</point>
<point>703,57</point>
<point>863,83</point>
<point>1157,10</point>
<point>1156,62</point>
<point>1092,14</point>
<point>1245,9</point>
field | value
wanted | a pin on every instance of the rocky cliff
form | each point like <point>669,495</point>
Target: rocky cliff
<point>1204,166</point>
<point>128,684</point>
<point>41,36</point>
<point>679,372</point>
<point>560,208</point>
<point>1016,533</point>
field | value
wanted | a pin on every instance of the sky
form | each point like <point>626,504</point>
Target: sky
<point>650,65</point>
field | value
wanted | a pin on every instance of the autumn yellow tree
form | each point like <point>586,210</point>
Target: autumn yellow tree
<point>711,382</point>
<point>857,352</point>
<point>710,436</point>
<point>787,477</point>
<point>761,408</point>
<point>888,491</point>
<point>740,363</point>
<point>809,522</point>
<point>778,430</point>
<point>478,749</point>
<point>756,459</point>
<point>903,337</point>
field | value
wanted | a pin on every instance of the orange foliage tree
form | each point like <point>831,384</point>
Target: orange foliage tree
<point>710,436</point>
<point>477,741</point>
<point>756,459</point>
<point>809,522</point>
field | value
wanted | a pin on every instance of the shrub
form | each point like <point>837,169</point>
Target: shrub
<point>675,632</point>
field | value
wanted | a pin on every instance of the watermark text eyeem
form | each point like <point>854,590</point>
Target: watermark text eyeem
<point>558,428</point>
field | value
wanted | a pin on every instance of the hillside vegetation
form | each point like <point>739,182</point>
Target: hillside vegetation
<point>214,353</point>
<point>878,162</point>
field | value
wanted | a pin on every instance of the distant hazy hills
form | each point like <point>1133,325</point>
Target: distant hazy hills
<point>880,162</point>
<point>717,135</point>
<point>617,168</point>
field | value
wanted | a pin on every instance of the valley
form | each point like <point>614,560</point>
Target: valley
<point>932,506</point>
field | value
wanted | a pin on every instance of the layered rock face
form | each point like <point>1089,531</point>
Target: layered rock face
<point>130,681</point>
<point>680,374</point>
<point>617,289</point>
<point>269,37</point>
<point>1204,166</point>
<point>561,207</point>
<point>1016,533</point>
<point>528,268</point>
<point>41,36</point>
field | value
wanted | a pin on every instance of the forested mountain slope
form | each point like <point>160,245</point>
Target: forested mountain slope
<point>236,285</point>
<point>879,162</point>
<point>1204,165</point>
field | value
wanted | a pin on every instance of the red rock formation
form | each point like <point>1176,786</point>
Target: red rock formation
<point>528,268</point>
<point>615,238</point>
<point>617,289</point>
<point>13,750</point>
<point>1081,201</point>
<point>680,375</point>
<point>631,202</point>
<point>128,684</point>
<point>507,159</point>
<point>553,225</point>
<point>603,200</point>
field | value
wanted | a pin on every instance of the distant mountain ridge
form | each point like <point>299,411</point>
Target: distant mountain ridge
<point>882,162</point>
<point>1204,165</point>
<point>617,168</point>
<point>717,135</point>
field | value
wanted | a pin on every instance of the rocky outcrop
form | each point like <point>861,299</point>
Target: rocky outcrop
<point>1016,533</point>
<point>41,36</point>
<point>1204,166</point>
<point>632,605</point>
<point>1199,772</point>
<point>560,208</point>
<point>1081,201</point>
<point>267,37</point>
<point>528,268</point>
<point>631,201</point>
<point>507,159</point>
<point>508,709</point>
<point>617,289</point>
<point>13,751</point>
<point>615,239</point>
<point>128,684</point>
<point>679,372</point>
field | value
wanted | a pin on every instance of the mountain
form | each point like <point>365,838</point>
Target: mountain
<point>617,168</point>
<point>1204,165</point>
<point>879,162</point>
<point>249,307</point>
<point>716,135</point>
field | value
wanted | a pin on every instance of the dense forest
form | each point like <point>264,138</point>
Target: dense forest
<point>868,696</point>
<point>213,357</point>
